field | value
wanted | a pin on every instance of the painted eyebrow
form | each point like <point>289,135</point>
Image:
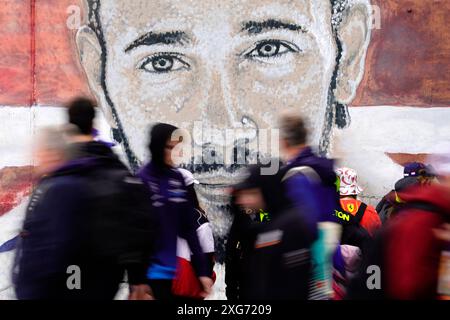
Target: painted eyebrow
<point>151,38</point>
<point>255,27</point>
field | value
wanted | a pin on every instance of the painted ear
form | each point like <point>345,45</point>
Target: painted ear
<point>354,34</point>
<point>90,53</point>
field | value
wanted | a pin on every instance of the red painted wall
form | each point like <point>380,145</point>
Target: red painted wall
<point>408,59</point>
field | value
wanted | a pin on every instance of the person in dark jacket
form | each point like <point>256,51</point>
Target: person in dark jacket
<point>247,204</point>
<point>414,173</point>
<point>241,235</point>
<point>237,248</point>
<point>259,266</point>
<point>89,216</point>
<point>169,198</point>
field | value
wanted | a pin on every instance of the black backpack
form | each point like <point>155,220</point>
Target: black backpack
<point>121,223</point>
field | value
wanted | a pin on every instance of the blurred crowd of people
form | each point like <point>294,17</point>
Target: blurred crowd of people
<point>317,240</point>
<point>301,233</point>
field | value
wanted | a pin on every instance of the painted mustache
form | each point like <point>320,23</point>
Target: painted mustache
<point>213,159</point>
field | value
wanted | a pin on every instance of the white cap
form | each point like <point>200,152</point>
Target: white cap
<point>348,182</point>
<point>188,177</point>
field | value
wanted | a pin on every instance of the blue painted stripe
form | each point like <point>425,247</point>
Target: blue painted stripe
<point>9,245</point>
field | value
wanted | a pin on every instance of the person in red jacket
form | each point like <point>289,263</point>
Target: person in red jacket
<point>412,251</point>
<point>415,241</point>
<point>349,189</point>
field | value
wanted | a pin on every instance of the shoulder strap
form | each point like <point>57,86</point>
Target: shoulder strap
<point>360,213</point>
<point>308,172</point>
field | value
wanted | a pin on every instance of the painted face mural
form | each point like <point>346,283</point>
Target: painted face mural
<point>210,66</point>
<point>222,65</point>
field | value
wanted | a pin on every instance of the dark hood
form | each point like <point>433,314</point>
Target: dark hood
<point>159,136</point>
<point>270,186</point>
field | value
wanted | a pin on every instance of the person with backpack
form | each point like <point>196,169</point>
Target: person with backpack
<point>412,249</point>
<point>363,214</point>
<point>169,198</point>
<point>88,216</point>
<point>310,183</point>
<point>414,173</point>
<point>359,223</point>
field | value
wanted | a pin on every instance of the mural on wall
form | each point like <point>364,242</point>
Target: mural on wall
<point>371,77</point>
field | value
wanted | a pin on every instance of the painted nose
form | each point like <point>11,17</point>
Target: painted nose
<point>225,135</point>
<point>220,111</point>
<point>223,121</point>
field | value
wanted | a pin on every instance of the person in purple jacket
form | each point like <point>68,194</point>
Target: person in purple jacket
<point>169,197</point>
<point>311,184</point>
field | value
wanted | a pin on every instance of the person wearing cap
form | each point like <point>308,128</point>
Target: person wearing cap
<point>414,173</point>
<point>360,222</point>
<point>414,241</point>
<point>361,212</point>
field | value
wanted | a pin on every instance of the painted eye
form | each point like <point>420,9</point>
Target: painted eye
<point>163,63</point>
<point>271,48</point>
<point>268,49</point>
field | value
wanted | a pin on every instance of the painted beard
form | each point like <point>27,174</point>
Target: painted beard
<point>213,191</point>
